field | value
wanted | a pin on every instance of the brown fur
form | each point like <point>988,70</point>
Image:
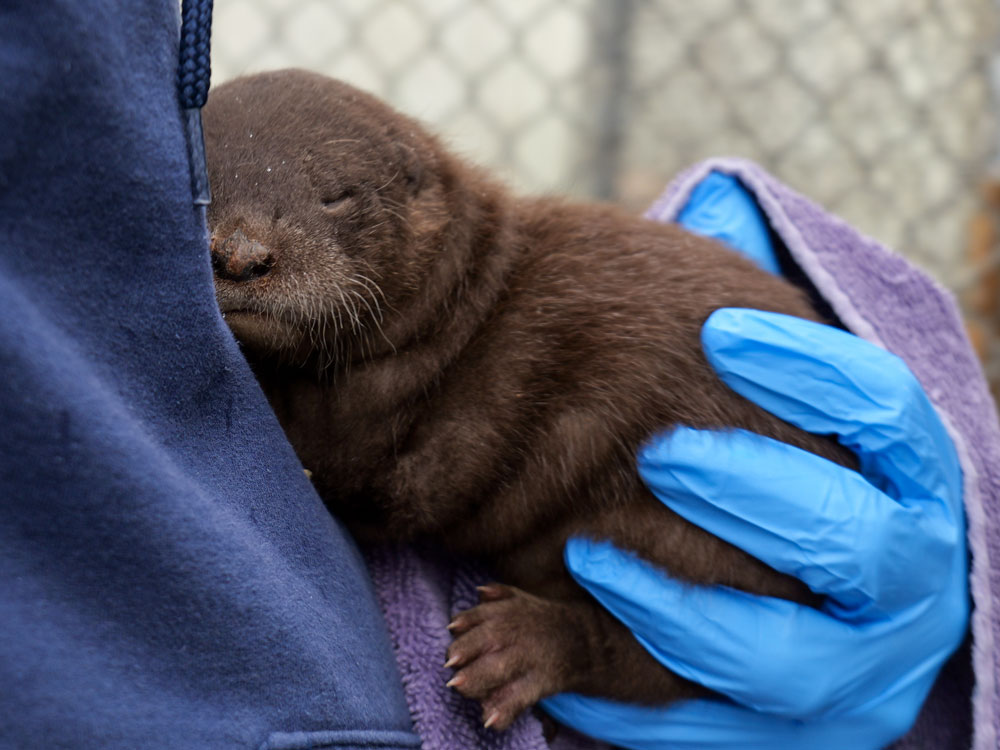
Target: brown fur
<point>457,364</point>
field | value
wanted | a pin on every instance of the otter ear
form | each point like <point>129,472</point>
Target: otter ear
<point>414,170</point>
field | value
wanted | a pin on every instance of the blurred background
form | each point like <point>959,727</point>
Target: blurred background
<point>884,111</point>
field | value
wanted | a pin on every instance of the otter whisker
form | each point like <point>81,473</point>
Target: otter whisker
<point>378,296</point>
<point>386,339</point>
<point>344,307</point>
<point>376,311</point>
<point>377,320</point>
<point>388,182</point>
<point>396,211</point>
<point>356,312</point>
<point>373,227</point>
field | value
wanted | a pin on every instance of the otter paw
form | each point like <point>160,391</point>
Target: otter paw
<point>505,653</point>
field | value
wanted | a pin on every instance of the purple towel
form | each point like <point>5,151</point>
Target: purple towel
<point>880,297</point>
<point>419,592</point>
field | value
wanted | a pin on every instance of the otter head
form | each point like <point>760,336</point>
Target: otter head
<point>326,214</point>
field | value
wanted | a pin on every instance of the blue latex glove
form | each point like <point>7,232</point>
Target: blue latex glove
<point>886,546</point>
<point>719,207</point>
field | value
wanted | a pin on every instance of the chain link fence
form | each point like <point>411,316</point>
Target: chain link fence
<point>881,110</point>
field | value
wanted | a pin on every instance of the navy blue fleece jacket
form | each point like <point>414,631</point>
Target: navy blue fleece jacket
<point>168,578</point>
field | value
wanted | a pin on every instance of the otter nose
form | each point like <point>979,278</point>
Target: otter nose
<point>238,258</point>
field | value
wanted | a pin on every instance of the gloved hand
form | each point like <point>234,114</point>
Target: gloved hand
<point>885,546</point>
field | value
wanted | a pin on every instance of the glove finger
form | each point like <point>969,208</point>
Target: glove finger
<point>828,381</point>
<point>802,515</point>
<point>715,725</point>
<point>768,654</point>
<point>721,208</point>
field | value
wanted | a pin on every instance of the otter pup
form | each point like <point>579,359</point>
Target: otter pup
<point>460,365</point>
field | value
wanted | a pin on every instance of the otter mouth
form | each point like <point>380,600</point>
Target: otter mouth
<point>246,317</point>
<point>236,307</point>
<point>228,306</point>
<point>237,312</point>
<point>233,313</point>
<point>261,332</point>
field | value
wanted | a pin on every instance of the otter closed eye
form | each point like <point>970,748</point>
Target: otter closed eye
<point>338,201</point>
<point>474,370</point>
